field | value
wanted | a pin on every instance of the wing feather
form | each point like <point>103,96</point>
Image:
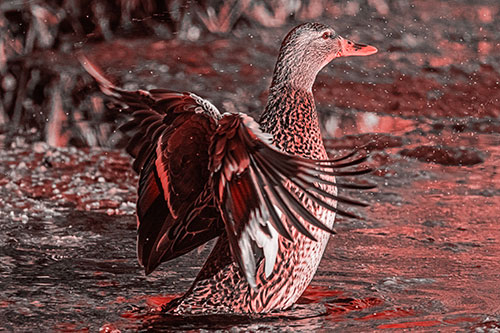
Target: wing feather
<point>201,173</point>
<point>259,190</point>
<point>170,133</point>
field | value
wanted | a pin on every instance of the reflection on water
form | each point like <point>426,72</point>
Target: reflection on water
<point>424,256</point>
<point>365,122</point>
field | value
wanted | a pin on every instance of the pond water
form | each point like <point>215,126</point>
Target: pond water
<point>424,256</point>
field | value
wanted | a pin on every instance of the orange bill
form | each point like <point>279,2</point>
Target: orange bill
<point>349,48</point>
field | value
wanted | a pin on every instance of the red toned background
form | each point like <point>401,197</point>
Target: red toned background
<point>426,254</point>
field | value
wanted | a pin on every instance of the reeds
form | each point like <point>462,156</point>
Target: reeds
<point>35,95</point>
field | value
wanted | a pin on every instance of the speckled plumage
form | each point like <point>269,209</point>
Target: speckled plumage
<point>265,189</point>
<point>290,116</point>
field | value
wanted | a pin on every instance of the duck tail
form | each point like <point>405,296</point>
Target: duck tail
<point>106,86</point>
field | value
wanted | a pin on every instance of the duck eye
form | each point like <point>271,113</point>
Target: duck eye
<point>326,35</point>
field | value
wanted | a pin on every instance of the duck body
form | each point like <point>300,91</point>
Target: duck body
<point>267,190</point>
<point>225,289</point>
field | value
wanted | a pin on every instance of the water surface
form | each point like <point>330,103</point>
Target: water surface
<point>425,254</point>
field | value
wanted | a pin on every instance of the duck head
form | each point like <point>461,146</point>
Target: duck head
<point>307,49</point>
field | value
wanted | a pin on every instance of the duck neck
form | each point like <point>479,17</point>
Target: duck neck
<point>294,69</point>
<point>290,116</point>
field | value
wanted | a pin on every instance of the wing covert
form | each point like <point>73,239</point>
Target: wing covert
<point>251,183</point>
<point>201,173</point>
<point>170,133</point>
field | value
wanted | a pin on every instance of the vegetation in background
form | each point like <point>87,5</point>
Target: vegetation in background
<point>34,95</point>
<point>42,101</point>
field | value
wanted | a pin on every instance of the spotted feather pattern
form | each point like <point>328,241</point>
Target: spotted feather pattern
<point>203,174</point>
<point>292,120</point>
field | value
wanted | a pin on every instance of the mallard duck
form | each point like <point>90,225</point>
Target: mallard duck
<point>266,189</point>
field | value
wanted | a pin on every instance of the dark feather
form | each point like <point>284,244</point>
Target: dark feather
<point>200,173</point>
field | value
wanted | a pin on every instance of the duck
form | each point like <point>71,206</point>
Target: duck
<point>266,189</point>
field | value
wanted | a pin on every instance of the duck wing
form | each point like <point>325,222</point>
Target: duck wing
<point>170,136</point>
<point>175,206</point>
<point>251,182</point>
<point>201,173</point>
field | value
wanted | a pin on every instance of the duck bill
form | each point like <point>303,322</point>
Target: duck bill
<point>349,48</point>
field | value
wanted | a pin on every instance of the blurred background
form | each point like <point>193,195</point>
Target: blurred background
<point>435,58</point>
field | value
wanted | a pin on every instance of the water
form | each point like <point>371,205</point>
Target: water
<point>424,256</point>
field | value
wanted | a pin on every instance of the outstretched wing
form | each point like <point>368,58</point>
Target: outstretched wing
<point>175,205</point>
<point>251,182</point>
<point>170,137</point>
<point>189,159</point>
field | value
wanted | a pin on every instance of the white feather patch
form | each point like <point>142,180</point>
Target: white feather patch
<point>248,258</point>
<point>269,244</point>
<point>271,250</point>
